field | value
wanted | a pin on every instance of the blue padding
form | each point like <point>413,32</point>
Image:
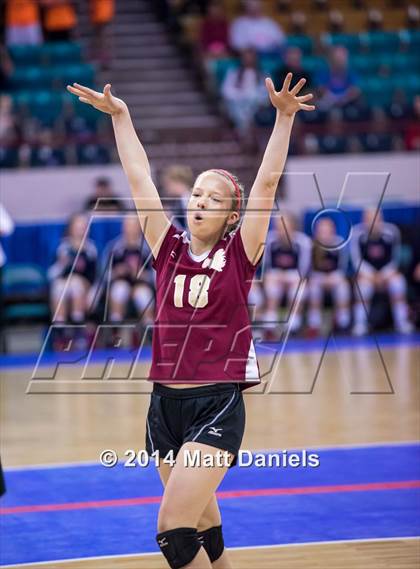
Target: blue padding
<point>37,243</point>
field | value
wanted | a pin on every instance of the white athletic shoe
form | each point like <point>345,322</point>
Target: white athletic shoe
<point>360,329</point>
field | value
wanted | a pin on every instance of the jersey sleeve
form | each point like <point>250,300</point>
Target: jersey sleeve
<point>165,248</point>
<point>238,250</point>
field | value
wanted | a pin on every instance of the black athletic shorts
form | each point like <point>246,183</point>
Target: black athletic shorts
<point>210,414</point>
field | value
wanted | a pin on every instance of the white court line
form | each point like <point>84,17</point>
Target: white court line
<point>326,448</point>
<point>282,546</point>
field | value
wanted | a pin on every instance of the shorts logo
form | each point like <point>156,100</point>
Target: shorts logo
<point>214,431</point>
<point>162,542</point>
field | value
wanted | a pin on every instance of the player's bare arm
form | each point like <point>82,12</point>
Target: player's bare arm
<point>261,198</point>
<point>153,220</point>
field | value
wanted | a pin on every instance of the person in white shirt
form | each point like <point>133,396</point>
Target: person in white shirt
<point>243,92</point>
<point>6,228</point>
<point>253,30</point>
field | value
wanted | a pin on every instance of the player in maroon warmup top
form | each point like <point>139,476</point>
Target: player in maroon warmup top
<point>203,353</point>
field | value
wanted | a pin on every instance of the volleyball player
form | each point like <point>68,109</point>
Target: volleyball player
<point>288,256</point>
<point>131,277</point>
<point>375,250</point>
<point>72,276</point>
<point>203,355</point>
<point>328,273</point>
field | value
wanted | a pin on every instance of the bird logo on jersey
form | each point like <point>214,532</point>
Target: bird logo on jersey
<point>218,261</point>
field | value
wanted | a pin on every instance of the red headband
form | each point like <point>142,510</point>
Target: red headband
<point>226,174</point>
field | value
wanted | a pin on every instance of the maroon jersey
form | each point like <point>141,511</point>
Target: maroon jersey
<point>202,332</point>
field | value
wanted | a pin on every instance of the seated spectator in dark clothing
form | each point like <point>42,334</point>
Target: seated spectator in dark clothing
<point>214,31</point>
<point>412,133</point>
<point>8,121</point>
<point>104,198</point>
<point>177,181</point>
<point>375,254</point>
<point>337,84</point>
<point>255,31</point>
<point>244,92</point>
<point>128,259</point>
<point>293,64</point>
<point>6,69</point>
<point>71,277</point>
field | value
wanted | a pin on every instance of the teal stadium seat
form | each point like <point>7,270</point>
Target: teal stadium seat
<point>314,64</point>
<point>377,91</point>
<point>24,55</point>
<point>57,53</point>
<point>25,292</point>
<point>350,41</point>
<point>303,42</point>
<point>381,41</point>
<point>411,39</point>
<point>364,64</point>
<point>31,78</point>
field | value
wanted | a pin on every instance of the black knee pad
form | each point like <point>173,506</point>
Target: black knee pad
<point>179,546</point>
<point>212,541</point>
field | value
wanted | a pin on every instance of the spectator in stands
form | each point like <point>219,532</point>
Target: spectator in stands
<point>131,275</point>
<point>255,31</point>
<point>23,25</point>
<point>288,260</point>
<point>8,121</point>
<point>412,133</point>
<point>71,278</point>
<point>335,21</point>
<point>101,15</point>
<point>214,31</point>
<point>375,251</point>
<point>328,274</point>
<point>243,91</point>
<point>46,151</point>
<point>6,228</point>
<point>298,23</point>
<point>414,272</point>
<point>103,197</point>
<point>6,69</point>
<point>338,82</point>
<point>177,181</point>
<point>60,19</point>
<point>293,64</point>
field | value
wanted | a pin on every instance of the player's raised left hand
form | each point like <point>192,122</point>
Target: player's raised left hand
<point>287,100</point>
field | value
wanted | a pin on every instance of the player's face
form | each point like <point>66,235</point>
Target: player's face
<point>325,230</point>
<point>78,227</point>
<point>370,218</point>
<point>210,205</point>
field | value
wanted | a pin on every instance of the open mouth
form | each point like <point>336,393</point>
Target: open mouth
<point>198,217</point>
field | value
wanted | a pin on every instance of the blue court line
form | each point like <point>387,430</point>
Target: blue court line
<point>293,345</point>
<point>262,520</point>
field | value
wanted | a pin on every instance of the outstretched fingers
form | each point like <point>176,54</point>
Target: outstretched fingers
<point>305,98</point>
<point>287,82</point>
<point>270,86</point>
<point>306,107</point>
<point>298,86</point>
<point>86,90</point>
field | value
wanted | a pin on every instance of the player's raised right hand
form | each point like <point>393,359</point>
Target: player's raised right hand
<point>105,102</point>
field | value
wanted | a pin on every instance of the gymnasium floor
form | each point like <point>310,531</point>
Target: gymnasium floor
<point>354,405</point>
